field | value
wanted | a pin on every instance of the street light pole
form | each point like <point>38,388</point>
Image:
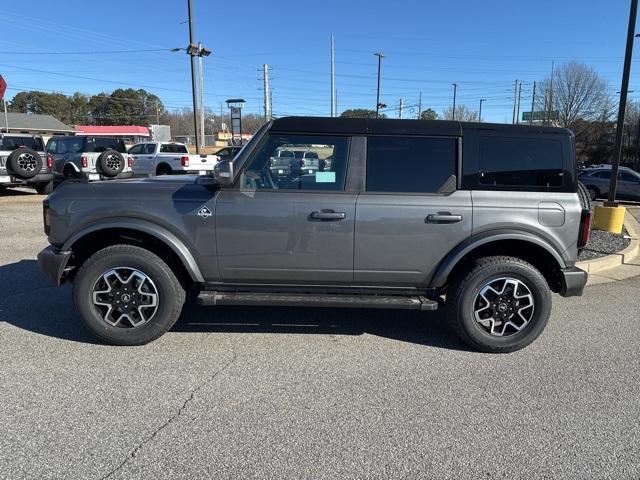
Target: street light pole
<point>380,57</point>
<point>617,149</point>
<point>201,91</point>
<point>480,111</point>
<point>193,77</point>
<point>453,112</point>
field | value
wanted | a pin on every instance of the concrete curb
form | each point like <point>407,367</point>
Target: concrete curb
<point>619,258</point>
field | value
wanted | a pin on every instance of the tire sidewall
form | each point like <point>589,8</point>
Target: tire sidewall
<point>542,307</point>
<point>14,169</point>
<point>155,270</point>
<point>102,160</point>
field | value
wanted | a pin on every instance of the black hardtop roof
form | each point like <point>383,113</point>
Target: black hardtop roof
<point>386,126</point>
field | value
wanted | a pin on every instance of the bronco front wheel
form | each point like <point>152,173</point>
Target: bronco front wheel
<point>126,295</point>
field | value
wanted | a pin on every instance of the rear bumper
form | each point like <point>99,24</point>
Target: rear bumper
<point>53,262</point>
<point>573,281</point>
<point>99,176</point>
<point>10,179</point>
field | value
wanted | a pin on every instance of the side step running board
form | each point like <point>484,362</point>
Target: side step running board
<point>210,297</point>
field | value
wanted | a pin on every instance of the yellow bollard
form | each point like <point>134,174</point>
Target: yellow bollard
<point>610,219</point>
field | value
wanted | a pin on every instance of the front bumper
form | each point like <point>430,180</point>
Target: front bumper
<point>39,178</point>
<point>53,262</point>
<point>573,281</point>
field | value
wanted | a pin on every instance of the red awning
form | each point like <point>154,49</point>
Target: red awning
<point>112,130</point>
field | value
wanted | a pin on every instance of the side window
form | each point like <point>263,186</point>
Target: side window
<point>410,164</point>
<point>52,146</point>
<point>627,177</point>
<point>149,148</point>
<point>63,146</point>
<point>604,174</point>
<point>135,150</point>
<point>74,145</point>
<point>520,162</point>
<point>299,162</point>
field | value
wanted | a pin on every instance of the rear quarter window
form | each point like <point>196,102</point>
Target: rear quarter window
<point>517,162</point>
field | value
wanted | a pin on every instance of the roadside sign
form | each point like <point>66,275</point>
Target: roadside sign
<point>540,115</point>
<point>3,87</point>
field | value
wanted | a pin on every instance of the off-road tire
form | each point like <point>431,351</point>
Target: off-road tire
<point>171,294</point>
<point>110,163</point>
<point>585,196</point>
<point>44,188</point>
<point>24,163</point>
<point>466,285</point>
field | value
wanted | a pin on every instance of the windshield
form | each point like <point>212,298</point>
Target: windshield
<point>11,143</point>
<point>101,144</point>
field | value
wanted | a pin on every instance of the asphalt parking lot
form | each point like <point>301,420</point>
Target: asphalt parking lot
<point>300,393</point>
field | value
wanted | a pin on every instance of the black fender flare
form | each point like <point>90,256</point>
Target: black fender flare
<point>439,278</point>
<point>161,233</point>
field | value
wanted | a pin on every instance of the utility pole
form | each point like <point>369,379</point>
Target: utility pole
<point>550,103</point>
<point>533,103</point>
<point>193,77</point>
<point>6,116</point>
<point>617,149</point>
<point>333,83</point>
<point>480,111</point>
<point>266,92</point>
<point>336,104</point>
<point>419,106</point>
<point>380,57</point>
<point>453,111</point>
<point>201,95</point>
<point>518,111</point>
<point>400,109</point>
<point>515,100</point>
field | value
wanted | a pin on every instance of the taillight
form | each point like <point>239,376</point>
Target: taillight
<point>585,228</point>
<point>184,161</point>
<point>130,161</point>
<point>49,161</point>
<point>85,161</point>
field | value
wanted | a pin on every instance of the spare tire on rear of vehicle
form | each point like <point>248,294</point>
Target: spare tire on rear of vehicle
<point>24,163</point>
<point>585,198</point>
<point>110,163</point>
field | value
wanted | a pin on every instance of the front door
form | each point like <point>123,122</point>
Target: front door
<point>411,214</point>
<point>288,229</point>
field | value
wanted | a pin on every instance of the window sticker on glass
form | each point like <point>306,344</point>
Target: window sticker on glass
<point>325,177</point>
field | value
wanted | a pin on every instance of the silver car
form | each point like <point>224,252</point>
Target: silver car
<point>597,181</point>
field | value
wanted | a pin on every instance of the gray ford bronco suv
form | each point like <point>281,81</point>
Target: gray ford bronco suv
<point>485,220</point>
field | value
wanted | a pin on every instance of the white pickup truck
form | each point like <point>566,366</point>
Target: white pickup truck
<point>166,158</point>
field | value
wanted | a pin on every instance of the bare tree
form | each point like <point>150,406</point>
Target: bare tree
<point>576,93</point>
<point>463,114</point>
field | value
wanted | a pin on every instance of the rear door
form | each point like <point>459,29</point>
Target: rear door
<point>411,214</point>
<point>295,229</point>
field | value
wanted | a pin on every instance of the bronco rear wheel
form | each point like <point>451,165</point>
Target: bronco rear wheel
<point>499,304</point>
<point>126,295</point>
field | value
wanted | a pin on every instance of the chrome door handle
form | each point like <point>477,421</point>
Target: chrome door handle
<point>443,217</point>
<point>327,215</point>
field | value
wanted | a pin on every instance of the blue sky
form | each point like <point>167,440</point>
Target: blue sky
<point>483,46</point>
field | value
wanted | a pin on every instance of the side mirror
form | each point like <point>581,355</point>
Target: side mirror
<point>223,173</point>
